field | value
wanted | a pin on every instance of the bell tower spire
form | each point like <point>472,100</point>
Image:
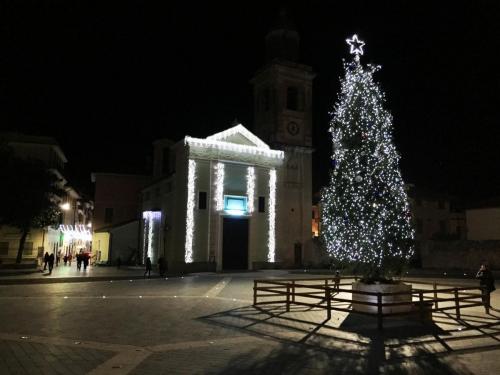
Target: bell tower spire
<point>283,89</point>
<point>282,41</point>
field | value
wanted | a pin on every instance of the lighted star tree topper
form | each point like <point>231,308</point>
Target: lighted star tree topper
<point>366,217</point>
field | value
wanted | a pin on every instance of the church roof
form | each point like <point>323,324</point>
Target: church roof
<point>236,143</point>
<point>240,135</point>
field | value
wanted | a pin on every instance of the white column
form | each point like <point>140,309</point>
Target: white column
<point>188,249</point>
<point>250,189</point>
<point>271,242</point>
<point>219,186</point>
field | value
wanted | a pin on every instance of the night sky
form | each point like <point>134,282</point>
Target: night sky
<point>108,79</point>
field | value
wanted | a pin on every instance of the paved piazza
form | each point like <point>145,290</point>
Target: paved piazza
<point>205,324</point>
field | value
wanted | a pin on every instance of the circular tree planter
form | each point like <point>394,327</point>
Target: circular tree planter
<point>381,288</point>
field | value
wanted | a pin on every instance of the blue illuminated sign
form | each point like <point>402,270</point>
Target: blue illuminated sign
<point>235,205</point>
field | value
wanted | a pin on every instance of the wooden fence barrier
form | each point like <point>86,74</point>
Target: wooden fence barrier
<point>320,294</point>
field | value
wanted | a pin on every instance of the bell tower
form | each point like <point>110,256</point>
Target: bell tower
<point>283,118</point>
<point>283,89</point>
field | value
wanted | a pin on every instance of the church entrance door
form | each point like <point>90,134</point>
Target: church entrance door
<point>235,243</point>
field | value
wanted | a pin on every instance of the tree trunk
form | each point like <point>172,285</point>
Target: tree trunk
<point>24,234</point>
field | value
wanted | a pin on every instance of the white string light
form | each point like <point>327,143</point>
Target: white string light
<point>365,210</point>
<point>149,221</point>
<point>219,186</point>
<point>77,232</point>
<point>227,146</point>
<point>188,250</point>
<point>271,242</point>
<point>241,130</point>
<point>250,189</point>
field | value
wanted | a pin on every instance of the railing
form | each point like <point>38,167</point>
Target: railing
<point>324,293</point>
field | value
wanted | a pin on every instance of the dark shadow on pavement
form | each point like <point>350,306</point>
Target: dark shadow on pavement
<point>354,346</point>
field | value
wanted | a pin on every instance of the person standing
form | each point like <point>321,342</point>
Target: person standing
<point>51,263</point>
<point>45,260</point>
<point>148,267</point>
<point>336,280</point>
<point>487,282</point>
<point>70,257</point>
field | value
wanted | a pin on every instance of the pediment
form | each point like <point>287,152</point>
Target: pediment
<point>239,135</point>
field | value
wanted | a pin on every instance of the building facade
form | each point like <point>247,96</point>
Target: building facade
<point>435,216</point>
<point>483,223</point>
<point>117,207</point>
<point>72,233</point>
<point>237,199</point>
<point>218,209</point>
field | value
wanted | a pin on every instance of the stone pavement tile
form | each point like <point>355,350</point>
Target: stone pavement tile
<point>252,358</point>
<point>26,357</point>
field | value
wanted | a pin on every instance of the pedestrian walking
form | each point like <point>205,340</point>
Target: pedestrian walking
<point>148,267</point>
<point>65,259</point>
<point>487,282</point>
<point>86,259</point>
<point>45,260</point>
<point>78,261</point>
<point>51,263</point>
<point>70,257</point>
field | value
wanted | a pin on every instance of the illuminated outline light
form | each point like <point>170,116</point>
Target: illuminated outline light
<point>241,130</point>
<point>271,242</point>
<point>227,146</point>
<point>219,186</point>
<point>356,45</point>
<point>149,218</point>
<point>250,189</point>
<point>77,232</point>
<point>188,249</point>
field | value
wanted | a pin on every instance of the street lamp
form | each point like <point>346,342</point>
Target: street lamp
<point>65,206</point>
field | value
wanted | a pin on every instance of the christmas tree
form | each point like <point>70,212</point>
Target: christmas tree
<point>366,217</point>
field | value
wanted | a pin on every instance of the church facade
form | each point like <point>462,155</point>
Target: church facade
<point>240,199</point>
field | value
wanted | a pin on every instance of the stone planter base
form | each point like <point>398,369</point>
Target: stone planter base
<point>381,288</point>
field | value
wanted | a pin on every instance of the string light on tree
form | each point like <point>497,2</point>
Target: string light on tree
<point>365,210</point>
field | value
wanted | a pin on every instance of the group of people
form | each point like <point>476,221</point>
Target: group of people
<point>81,259</point>
<point>48,260</point>
<point>162,266</point>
